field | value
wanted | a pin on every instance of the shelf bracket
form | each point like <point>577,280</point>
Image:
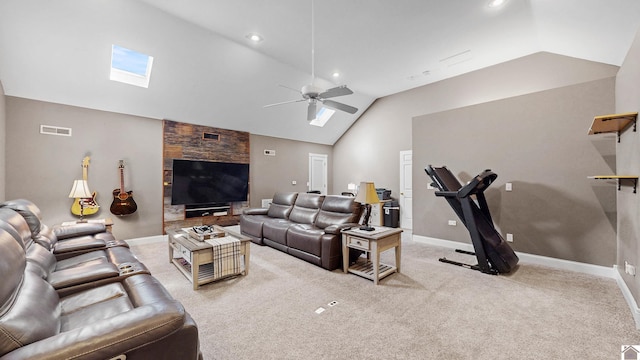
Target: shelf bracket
<point>635,184</point>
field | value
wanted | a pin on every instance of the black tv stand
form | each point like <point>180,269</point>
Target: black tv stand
<point>191,211</point>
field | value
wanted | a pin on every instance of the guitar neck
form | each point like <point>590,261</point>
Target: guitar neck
<point>122,181</point>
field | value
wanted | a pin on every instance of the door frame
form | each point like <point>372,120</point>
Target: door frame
<point>325,176</point>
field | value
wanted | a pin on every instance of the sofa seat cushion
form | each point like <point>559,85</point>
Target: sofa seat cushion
<point>93,305</point>
<point>252,224</point>
<point>307,238</point>
<point>276,230</point>
<point>90,258</point>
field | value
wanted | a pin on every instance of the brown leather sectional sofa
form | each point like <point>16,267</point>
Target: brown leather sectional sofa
<point>304,225</point>
<point>78,293</point>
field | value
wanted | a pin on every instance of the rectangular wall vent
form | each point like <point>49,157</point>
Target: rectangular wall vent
<point>55,130</point>
<point>210,136</point>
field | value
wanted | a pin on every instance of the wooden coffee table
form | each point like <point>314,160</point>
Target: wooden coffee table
<point>373,243</point>
<point>194,258</point>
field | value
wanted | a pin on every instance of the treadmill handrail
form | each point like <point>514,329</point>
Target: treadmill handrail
<point>478,184</point>
<point>447,193</point>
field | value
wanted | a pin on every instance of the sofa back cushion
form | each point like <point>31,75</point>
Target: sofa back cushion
<point>29,211</point>
<point>281,205</point>
<point>338,209</point>
<point>306,208</point>
<point>16,225</point>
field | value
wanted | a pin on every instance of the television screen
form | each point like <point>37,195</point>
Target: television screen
<point>197,182</point>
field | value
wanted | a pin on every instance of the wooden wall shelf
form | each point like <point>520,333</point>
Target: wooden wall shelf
<point>615,123</point>
<point>619,178</point>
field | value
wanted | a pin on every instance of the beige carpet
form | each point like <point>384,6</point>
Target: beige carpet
<point>431,310</point>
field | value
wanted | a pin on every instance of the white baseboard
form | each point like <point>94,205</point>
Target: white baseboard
<point>628,296</point>
<point>591,269</point>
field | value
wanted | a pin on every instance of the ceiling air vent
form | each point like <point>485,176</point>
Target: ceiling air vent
<point>55,130</point>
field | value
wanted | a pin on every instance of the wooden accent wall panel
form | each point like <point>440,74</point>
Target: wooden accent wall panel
<point>196,142</point>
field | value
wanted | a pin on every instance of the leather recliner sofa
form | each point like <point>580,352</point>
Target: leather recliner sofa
<point>307,226</point>
<point>130,317</point>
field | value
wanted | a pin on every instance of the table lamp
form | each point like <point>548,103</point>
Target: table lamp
<point>367,195</point>
<point>80,190</point>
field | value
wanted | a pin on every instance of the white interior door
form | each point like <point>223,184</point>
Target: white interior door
<point>406,191</point>
<point>318,172</point>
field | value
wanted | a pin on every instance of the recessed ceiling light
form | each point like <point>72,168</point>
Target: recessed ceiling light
<point>496,3</point>
<point>336,74</point>
<point>254,37</point>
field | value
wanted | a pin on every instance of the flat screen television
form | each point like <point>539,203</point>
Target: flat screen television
<point>196,182</point>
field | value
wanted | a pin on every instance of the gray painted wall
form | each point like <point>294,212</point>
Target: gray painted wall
<point>291,163</point>
<point>539,143</point>
<point>42,168</point>
<point>370,149</point>
<point>628,162</point>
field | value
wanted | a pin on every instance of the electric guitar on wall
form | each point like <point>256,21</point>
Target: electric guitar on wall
<point>90,204</point>
<point>123,203</point>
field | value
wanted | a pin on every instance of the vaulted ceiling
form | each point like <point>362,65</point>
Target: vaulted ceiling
<point>207,72</point>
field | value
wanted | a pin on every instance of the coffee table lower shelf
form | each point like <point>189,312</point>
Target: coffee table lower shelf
<point>365,269</point>
<point>205,271</point>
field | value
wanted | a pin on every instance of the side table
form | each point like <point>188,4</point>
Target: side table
<point>373,243</point>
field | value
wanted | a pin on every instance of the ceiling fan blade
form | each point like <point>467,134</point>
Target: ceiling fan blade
<point>336,91</point>
<point>340,106</point>
<point>311,111</point>
<point>284,102</point>
<point>290,88</point>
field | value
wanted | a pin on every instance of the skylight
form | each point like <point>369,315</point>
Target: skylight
<point>130,67</point>
<point>322,116</point>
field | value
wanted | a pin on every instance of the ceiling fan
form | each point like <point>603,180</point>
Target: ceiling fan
<point>313,94</point>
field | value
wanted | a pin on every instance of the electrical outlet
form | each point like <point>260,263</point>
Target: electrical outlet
<point>629,269</point>
<point>508,187</point>
<point>452,223</point>
<point>509,237</point>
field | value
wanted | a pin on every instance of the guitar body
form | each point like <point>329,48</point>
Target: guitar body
<point>90,205</point>
<point>123,203</point>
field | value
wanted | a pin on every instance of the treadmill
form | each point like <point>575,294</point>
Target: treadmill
<point>493,253</point>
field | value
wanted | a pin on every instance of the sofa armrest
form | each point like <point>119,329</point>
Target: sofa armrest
<point>155,316</point>
<point>255,211</point>
<point>81,229</point>
<point>337,228</point>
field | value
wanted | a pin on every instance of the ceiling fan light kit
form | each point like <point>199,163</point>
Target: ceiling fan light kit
<point>314,94</point>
